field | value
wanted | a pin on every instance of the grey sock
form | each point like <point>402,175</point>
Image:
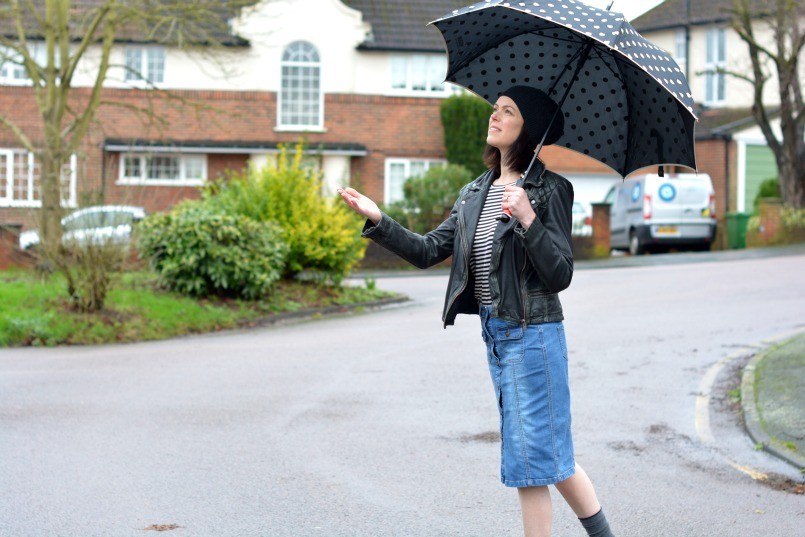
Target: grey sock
<point>597,525</point>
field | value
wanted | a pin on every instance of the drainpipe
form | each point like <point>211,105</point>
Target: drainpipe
<point>687,40</point>
<point>727,142</point>
<point>103,174</point>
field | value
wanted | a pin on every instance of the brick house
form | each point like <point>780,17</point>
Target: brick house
<point>729,145</point>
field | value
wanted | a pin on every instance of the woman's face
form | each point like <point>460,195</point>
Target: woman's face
<point>505,124</point>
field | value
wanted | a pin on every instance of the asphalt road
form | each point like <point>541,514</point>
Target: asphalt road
<point>384,423</point>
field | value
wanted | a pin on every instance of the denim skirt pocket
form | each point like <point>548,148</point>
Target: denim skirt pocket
<point>510,344</point>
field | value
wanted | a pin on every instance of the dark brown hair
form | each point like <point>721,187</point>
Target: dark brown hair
<point>518,158</point>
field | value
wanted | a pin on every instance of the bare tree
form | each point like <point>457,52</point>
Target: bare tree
<point>784,18</point>
<point>66,30</point>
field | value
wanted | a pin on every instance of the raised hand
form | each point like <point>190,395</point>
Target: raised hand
<point>360,204</point>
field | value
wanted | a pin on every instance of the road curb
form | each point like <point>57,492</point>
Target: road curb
<point>752,417</point>
<point>310,313</point>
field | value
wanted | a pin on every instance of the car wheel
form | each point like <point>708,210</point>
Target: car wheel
<point>635,246</point>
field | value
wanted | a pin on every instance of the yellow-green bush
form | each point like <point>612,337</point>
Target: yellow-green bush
<point>323,235</point>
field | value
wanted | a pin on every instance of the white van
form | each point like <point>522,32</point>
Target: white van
<point>649,212</point>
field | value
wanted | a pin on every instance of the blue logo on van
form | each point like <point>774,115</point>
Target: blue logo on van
<point>636,192</point>
<point>667,192</point>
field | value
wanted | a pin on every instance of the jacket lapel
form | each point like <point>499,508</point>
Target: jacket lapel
<point>470,211</point>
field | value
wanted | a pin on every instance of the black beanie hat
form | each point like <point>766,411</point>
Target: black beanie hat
<point>537,110</point>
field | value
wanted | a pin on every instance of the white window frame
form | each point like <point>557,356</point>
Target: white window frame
<point>388,192</point>
<point>143,75</point>
<point>315,66</point>
<point>715,90</point>
<point>142,180</point>
<point>681,49</point>
<point>434,67</point>
<point>31,193</point>
<point>12,66</point>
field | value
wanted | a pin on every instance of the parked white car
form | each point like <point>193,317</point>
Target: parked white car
<point>99,225</point>
<point>649,212</point>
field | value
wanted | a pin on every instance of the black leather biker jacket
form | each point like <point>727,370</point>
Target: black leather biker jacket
<point>528,267</point>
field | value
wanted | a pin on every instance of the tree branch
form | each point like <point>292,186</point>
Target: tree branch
<point>24,140</point>
<point>89,38</point>
<point>82,123</point>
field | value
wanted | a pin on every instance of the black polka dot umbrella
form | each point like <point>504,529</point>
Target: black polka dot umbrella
<point>626,102</point>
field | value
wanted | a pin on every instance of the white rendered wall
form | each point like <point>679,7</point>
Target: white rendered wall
<point>739,94</point>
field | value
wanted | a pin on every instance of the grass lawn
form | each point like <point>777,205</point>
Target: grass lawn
<point>35,311</point>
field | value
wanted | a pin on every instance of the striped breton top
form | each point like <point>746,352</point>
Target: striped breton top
<point>481,255</point>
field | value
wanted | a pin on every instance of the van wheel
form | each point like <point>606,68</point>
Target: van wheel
<point>635,246</point>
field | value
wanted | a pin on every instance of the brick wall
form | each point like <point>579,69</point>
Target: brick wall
<point>387,127</point>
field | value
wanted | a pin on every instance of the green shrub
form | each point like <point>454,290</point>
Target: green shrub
<point>465,120</point>
<point>323,235</point>
<point>200,252</point>
<point>429,197</point>
<point>769,188</point>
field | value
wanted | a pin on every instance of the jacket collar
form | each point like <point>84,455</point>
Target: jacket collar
<point>535,173</point>
<point>533,179</point>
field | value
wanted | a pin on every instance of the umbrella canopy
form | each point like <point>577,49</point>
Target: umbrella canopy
<point>626,102</point>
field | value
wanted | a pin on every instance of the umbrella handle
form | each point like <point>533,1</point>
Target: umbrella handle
<point>505,216</point>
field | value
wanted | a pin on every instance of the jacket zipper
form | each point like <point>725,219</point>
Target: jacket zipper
<point>523,288</point>
<point>466,264</point>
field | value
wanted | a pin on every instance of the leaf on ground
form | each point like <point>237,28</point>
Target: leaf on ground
<point>162,527</point>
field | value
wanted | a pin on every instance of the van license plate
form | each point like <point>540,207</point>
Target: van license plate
<point>668,230</point>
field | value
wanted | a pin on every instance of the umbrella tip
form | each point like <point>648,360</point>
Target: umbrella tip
<point>661,171</point>
<point>609,8</point>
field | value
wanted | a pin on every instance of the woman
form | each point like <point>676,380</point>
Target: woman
<point>509,272</point>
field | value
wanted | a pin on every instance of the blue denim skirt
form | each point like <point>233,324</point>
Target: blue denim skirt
<point>529,372</point>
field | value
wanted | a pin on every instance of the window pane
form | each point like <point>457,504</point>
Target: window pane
<point>131,167</point>
<point>300,86</point>
<point>194,167</point>
<point>156,65</point>
<point>134,68</point>
<point>163,167</point>
<point>399,73</point>
<point>681,46</point>
<point>418,167</point>
<point>419,74</point>
<point>396,179</point>
<point>11,66</point>
<point>436,70</point>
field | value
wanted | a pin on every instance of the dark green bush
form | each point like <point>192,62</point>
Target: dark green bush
<point>465,119</point>
<point>323,235</point>
<point>769,188</point>
<point>429,197</point>
<point>198,251</point>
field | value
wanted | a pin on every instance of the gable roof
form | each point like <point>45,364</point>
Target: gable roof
<point>203,28</point>
<point>723,123</point>
<point>403,25</point>
<point>672,13</point>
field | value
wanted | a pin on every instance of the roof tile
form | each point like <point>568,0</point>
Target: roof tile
<point>403,25</point>
<point>672,13</point>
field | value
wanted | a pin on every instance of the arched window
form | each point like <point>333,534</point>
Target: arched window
<point>300,99</point>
